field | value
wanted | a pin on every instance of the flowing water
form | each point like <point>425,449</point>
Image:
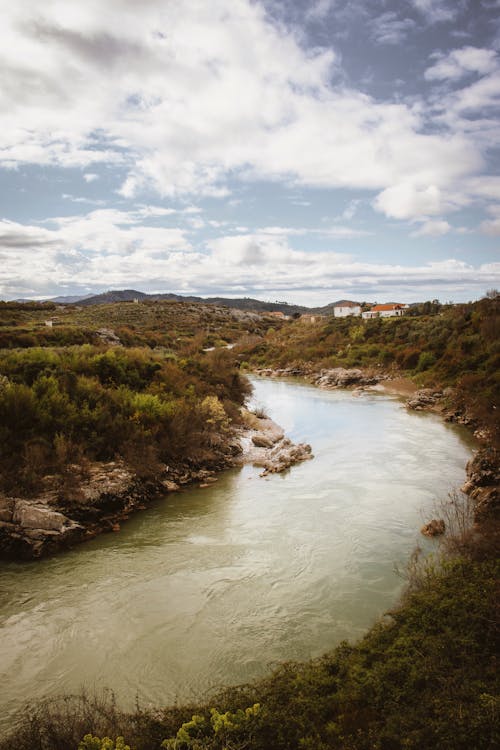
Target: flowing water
<point>213,586</point>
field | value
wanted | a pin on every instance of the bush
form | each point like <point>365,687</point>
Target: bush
<point>425,361</point>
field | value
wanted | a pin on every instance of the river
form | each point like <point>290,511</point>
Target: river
<point>213,586</point>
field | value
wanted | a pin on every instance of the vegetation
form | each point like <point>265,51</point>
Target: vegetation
<point>173,325</point>
<point>62,406</point>
<point>456,345</point>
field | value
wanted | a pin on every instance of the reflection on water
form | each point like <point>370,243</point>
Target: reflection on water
<point>212,586</point>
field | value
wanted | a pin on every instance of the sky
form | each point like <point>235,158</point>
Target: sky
<point>297,150</point>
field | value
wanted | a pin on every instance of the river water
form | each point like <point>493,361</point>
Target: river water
<point>213,586</point>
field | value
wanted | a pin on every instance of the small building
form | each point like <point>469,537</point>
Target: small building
<point>311,319</point>
<point>385,311</point>
<point>344,309</point>
<point>277,314</point>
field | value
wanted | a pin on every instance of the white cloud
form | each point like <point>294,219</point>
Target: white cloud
<point>109,248</point>
<point>186,94</point>
<point>492,226</point>
<point>90,176</point>
<point>319,10</point>
<point>407,201</point>
<point>438,11</point>
<point>432,229</point>
<point>459,62</point>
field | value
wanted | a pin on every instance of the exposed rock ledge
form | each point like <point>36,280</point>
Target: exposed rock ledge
<point>98,498</point>
<point>483,482</point>
<point>336,377</point>
<point>340,377</point>
<point>264,444</point>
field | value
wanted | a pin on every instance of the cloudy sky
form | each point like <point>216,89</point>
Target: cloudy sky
<point>300,150</point>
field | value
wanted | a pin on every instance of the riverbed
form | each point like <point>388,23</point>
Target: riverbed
<point>213,586</point>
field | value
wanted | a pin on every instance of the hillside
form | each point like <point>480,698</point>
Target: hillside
<point>168,324</point>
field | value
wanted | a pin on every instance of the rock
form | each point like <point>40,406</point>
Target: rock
<point>424,399</point>
<point>38,517</point>
<point>108,336</point>
<point>483,482</point>
<point>340,377</point>
<point>169,485</point>
<point>6,509</point>
<point>261,440</point>
<point>482,470</point>
<point>436,527</point>
<point>284,455</point>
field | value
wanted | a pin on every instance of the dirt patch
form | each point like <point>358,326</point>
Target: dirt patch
<point>398,387</point>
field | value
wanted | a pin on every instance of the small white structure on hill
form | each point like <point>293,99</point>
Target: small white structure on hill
<point>385,311</point>
<point>344,309</point>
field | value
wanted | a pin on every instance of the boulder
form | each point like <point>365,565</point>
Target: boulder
<point>284,455</point>
<point>340,377</point>
<point>32,516</point>
<point>424,399</point>
<point>261,440</point>
<point>6,509</point>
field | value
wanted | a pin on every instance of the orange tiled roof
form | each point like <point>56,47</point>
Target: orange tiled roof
<point>380,308</point>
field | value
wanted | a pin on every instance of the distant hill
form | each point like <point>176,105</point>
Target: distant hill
<point>245,303</point>
<point>238,303</point>
<point>69,299</point>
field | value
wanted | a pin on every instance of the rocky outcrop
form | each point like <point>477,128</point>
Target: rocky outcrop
<point>483,482</point>
<point>93,501</point>
<point>284,455</point>
<point>283,372</point>
<point>264,444</point>
<point>340,377</point>
<point>108,336</point>
<point>32,528</point>
<point>424,399</point>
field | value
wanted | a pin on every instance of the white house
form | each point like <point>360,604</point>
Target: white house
<point>344,309</point>
<point>385,311</point>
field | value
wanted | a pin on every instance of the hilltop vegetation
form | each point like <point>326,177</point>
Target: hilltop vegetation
<point>173,325</point>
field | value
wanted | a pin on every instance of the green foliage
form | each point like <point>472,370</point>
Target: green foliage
<point>60,405</point>
<point>425,361</point>
<point>94,743</point>
<point>228,729</point>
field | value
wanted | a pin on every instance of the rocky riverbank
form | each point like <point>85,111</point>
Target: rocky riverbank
<point>96,498</point>
<point>264,444</point>
<point>101,497</point>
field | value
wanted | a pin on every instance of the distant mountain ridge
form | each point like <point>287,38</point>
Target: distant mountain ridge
<point>239,303</point>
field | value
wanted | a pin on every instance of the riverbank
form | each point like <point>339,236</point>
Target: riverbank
<point>482,482</point>
<point>95,498</point>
